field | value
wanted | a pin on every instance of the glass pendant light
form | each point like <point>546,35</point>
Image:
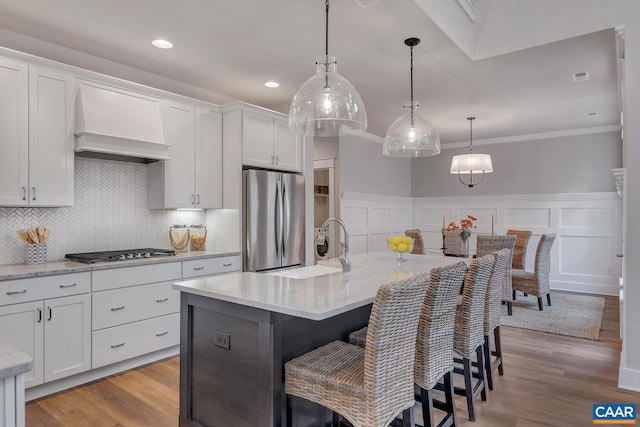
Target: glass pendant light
<point>411,135</point>
<point>472,163</point>
<point>327,104</point>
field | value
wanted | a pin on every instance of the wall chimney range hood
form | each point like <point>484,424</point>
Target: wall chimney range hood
<point>115,123</point>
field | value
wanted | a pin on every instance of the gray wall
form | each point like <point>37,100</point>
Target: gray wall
<point>364,169</point>
<point>574,164</point>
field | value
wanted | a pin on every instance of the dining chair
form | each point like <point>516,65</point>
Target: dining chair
<point>520,250</point>
<point>367,386</point>
<point>418,242</point>
<point>468,336</point>
<point>487,244</point>
<point>536,283</point>
<point>492,313</point>
<point>453,245</point>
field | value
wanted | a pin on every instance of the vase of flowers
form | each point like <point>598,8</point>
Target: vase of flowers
<point>466,224</point>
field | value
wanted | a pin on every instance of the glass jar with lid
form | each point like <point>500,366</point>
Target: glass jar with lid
<point>179,236</point>
<point>198,235</point>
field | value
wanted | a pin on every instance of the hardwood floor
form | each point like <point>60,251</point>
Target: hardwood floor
<point>550,380</point>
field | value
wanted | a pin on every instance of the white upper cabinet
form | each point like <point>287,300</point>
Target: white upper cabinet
<point>268,143</point>
<point>192,178</point>
<point>36,136</point>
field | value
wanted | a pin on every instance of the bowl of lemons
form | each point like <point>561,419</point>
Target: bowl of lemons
<point>400,245</point>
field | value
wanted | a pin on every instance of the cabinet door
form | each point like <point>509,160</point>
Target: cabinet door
<point>179,175</point>
<point>208,159</point>
<point>51,151</point>
<point>14,133</point>
<point>257,139</point>
<point>287,147</point>
<point>22,326</point>
<point>67,338</point>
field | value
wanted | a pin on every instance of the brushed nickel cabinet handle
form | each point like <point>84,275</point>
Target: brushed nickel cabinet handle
<point>620,255</point>
<point>70,285</point>
<point>159,334</point>
<point>24,193</point>
<point>24,291</point>
<point>193,199</point>
<point>117,345</point>
<point>162,300</point>
<point>197,199</point>
<point>50,313</point>
<point>198,268</point>
<point>277,160</point>
<point>117,308</point>
<point>39,315</point>
<point>227,264</point>
<point>34,193</point>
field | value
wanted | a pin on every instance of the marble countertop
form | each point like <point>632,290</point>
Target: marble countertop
<point>13,361</point>
<point>317,297</point>
<point>23,271</point>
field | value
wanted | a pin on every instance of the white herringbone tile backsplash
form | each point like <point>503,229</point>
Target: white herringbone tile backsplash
<point>110,213</point>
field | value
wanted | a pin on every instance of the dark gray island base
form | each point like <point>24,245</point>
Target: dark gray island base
<point>232,362</point>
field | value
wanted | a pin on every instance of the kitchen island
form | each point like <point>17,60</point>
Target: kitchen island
<point>238,330</point>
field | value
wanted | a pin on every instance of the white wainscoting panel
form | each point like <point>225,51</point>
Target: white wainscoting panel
<point>371,218</point>
<point>587,225</point>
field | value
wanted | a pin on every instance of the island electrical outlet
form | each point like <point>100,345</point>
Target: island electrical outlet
<point>222,340</point>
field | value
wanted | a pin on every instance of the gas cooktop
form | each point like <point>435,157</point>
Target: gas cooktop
<point>124,255</point>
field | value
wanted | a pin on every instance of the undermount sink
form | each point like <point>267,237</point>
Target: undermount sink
<point>307,272</point>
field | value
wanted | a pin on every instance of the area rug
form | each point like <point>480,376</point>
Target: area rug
<point>574,315</point>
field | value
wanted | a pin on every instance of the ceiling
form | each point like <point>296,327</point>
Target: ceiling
<point>232,48</point>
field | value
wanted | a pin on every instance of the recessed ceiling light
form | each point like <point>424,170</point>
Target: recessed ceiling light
<point>272,85</point>
<point>162,44</point>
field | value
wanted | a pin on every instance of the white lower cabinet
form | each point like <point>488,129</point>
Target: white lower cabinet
<point>123,342</point>
<point>132,317</point>
<point>55,332</point>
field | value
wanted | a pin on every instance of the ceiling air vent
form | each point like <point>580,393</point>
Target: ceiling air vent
<point>581,76</point>
<point>366,3</point>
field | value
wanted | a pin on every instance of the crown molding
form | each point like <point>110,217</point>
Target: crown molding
<point>535,136</point>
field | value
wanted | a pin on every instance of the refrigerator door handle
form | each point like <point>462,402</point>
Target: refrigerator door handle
<point>286,206</point>
<point>278,218</point>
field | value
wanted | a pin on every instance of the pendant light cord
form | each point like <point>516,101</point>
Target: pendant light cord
<point>471,119</point>
<point>411,106</point>
<point>326,45</point>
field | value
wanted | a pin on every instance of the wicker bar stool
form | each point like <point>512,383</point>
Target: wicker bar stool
<point>520,251</point>
<point>536,283</point>
<point>434,346</point>
<point>468,336</point>
<point>368,386</point>
<point>492,314</point>
<point>487,244</point>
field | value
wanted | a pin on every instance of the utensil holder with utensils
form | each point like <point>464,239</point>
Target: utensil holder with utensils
<point>35,253</point>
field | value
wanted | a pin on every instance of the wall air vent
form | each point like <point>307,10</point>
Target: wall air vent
<point>581,76</point>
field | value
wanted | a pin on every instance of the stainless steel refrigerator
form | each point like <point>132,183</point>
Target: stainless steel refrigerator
<point>273,220</point>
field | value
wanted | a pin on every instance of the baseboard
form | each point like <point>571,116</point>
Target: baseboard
<point>585,288</point>
<point>96,374</point>
<point>629,379</point>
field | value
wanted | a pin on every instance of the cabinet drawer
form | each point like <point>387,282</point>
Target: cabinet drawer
<point>119,343</point>
<point>120,306</point>
<point>210,266</point>
<point>38,288</point>
<point>137,275</point>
